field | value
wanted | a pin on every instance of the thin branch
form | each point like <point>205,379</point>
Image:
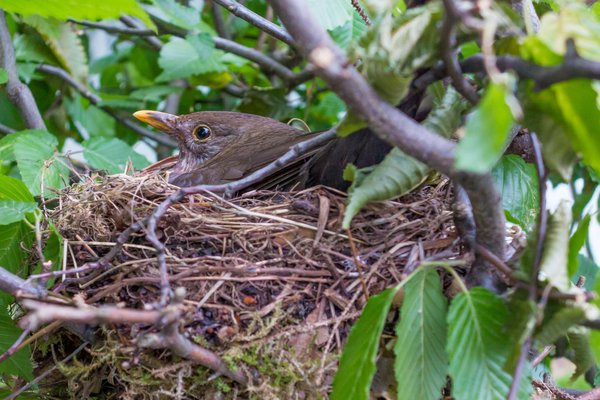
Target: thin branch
<point>152,40</point>
<point>220,24</point>
<point>572,67</point>
<point>543,221</point>
<point>449,54</point>
<point>11,283</point>
<point>389,123</point>
<point>5,130</point>
<point>115,29</point>
<point>18,93</point>
<point>261,23</point>
<point>361,11</point>
<point>97,101</point>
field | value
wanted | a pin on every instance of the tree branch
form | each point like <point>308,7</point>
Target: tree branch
<point>18,93</point>
<point>261,23</point>
<point>572,67</point>
<point>393,126</point>
<point>125,30</point>
<point>97,101</point>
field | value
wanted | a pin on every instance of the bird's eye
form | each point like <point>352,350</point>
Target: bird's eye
<point>202,133</point>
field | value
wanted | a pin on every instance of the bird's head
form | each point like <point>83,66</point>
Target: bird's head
<point>203,135</point>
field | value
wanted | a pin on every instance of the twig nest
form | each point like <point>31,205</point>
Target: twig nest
<point>269,281</point>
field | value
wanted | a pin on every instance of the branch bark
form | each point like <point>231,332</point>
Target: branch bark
<point>18,93</point>
<point>396,128</point>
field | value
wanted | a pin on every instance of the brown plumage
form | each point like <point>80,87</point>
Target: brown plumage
<point>219,146</point>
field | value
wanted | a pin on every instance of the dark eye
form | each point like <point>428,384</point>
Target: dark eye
<point>202,133</point>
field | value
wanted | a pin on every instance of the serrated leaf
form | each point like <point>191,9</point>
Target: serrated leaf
<point>517,181</point>
<point>14,189</point>
<point>332,13</point>
<point>19,363</point>
<point>38,163</point>
<point>350,32</point>
<point>395,47</point>
<point>181,58</point>
<point>65,44</point>
<point>3,76</point>
<point>487,129</point>
<point>399,173</point>
<point>13,211</point>
<point>11,237</point>
<point>558,324</point>
<point>112,155</point>
<point>553,266</point>
<point>357,364</point>
<point>477,346</point>
<point>576,243</point>
<point>76,9</point>
<point>8,141</point>
<point>178,14</point>
<point>579,339</point>
<point>421,361</point>
<point>89,120</point>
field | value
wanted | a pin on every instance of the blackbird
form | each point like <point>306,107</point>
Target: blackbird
<point>218,147</point>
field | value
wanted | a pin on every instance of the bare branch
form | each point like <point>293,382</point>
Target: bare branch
<point>220,24</point>
<point>97,101</point>
<point>18,93</point>
<point>392,125</point>
<point>263,24</point>
<point>572,67</point>
<point>11,283</point>
<point>6,129</point>
<point>449,53</point>
<point>115,29</point>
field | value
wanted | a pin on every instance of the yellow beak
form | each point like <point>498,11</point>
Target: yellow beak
<point>160,120</point>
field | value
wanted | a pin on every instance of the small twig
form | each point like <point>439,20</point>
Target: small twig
<point>543,221</point>
<point>361,12</point>
<point>47,372</point>
<point>115,29</point>
<point>358,264</point>
<point>449,53</point>
<point>573,67</point>
<point>15,346</point>
<point>540,357</point>
<point>220,25</point>
<point>261,23</point>
<point>18,93</point>
<point>97,101</point>
<point>5,130</point>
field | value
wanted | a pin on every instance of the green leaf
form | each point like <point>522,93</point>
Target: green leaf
<point>421,361</point>
<point>38,163</point>
<point>395,47</point>
<point>349,33</point>
<point>7,142</point>
<point>13,211</point>
<point>89,120</point>
<point>556,248</point>
<point>111,155</point>
<point>332,13</point>
<point>357,364</point>
<point>477,346</point>
<point>77,9</point>
<point>576,243</point>
<point>399,173</point>
<point>19,363</point>
<point>65,44</point>
<point>558,324</point>
<point>179,15</point>
<point>11,237</point>
<point>3,76</point>
<point>579,339</point>
<point>14,189</point>
<point>487,129</point>
<point>196,54</point>
<point>518,183</point>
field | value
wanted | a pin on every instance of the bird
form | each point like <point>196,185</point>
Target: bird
<point>218,147</point>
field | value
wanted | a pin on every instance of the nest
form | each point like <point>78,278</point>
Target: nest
<point>272,283</point>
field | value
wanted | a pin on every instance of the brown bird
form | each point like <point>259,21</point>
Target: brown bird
<point>219,146</point>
